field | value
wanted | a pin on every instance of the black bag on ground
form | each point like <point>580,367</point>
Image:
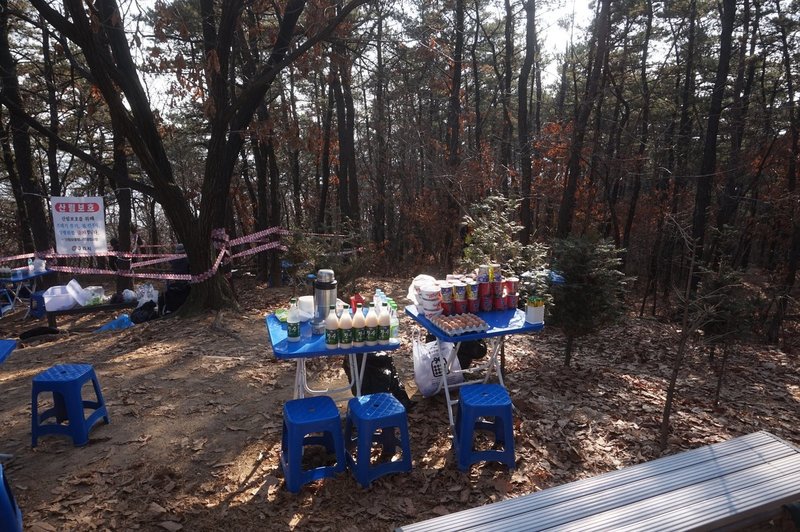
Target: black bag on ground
<point>467,351</point>
<point>148,311</point>
<point>175,296</point>
<point>380,375</point>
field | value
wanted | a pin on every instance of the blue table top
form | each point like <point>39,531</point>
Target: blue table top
<point>311,346</point>
<point>501,323</point>
<point>6,347</point>
<point>22,274</point>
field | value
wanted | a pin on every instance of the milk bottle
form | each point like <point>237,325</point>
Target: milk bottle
<point>384,324</point>
<point>372,325</point>
<point>359,327</point>
<point>345,330</point>
<point>293,322</point>
<point>332,329</point>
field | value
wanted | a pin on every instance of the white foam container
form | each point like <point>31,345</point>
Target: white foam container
<point>80,295</point>
<point>58,298</point>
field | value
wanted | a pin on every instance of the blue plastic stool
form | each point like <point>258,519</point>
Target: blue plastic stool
<point>368,415</point>
<point>477,403</point>
<point>37,305</point>
<point>302,420</point>
<point>66,382</point>
<point>10,514</point>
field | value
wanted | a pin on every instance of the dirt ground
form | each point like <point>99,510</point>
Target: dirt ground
<point>195,407</point>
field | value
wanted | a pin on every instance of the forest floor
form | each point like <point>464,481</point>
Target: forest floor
<point>195,407</point>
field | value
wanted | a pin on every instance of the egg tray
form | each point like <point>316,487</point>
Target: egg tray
<point>459,324</point>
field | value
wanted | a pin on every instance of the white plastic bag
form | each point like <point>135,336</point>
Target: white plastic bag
<point>427,370</point>
<point>145,293</point>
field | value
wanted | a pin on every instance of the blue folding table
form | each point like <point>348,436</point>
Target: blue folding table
<point>313,346</point>
<point>501,323</point>
<point>20,278</point>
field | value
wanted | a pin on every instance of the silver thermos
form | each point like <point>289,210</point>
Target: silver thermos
<point>324,297</point>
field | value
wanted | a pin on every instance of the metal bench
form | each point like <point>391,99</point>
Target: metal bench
<point>90,309</point>
<point>740,481</point>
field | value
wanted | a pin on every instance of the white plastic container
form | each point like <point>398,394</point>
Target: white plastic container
<point>78,293</point>
<point>58,298</point>
<point>97,293</point>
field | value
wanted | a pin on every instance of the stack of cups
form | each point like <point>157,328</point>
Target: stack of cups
<point>460,297</point>
<point>473,303</point>
<point>431,300</point>
<point>485,296</point>
<point>446,290</point>
<point>498,290</point>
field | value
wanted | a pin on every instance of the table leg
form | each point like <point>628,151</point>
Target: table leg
<point>300,379</point>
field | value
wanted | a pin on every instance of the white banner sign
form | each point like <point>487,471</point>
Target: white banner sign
<point>80,225</point>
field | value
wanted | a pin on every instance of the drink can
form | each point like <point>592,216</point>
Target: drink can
<point>497,288</point>
<point>459,291</point>
<point>512,285</point>
<point>486,303</point>
<point>484,289</point>
<point>483,273</point>
<point>460,306</point>
<point>447,291</point>
<point>499,303</point>
<point>473,305</point>
<point>447,308</point>
<point>512,300</point>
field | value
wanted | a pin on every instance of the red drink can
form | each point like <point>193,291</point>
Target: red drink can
<point>512,300</point>
<point>460,306</point>
<point>499,303</point>
<point>486,303</point>
<point>484,289</point>
<point>473,305</point>
<point>447,308</point>
<point>497,288</point>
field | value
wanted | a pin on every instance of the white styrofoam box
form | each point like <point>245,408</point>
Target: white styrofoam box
<point>78,293</point>
<point>58,298</point>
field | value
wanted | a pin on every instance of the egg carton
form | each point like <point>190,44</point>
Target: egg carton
<point>460,324</point>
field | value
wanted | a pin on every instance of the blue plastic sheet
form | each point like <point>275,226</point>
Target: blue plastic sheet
<point>122,322</point>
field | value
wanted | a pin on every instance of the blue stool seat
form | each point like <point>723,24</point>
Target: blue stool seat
<point>477,404</point>
<point>303,419</point>
<point>65,382</point>
<point>10,514</point>
<point>37,309</point>
<point>376,418</point>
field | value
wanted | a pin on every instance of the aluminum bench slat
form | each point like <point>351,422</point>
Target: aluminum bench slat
<point>581,499</point>
<point>680,499</point>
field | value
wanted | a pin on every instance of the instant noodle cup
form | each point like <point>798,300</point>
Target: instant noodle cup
<point>447,308</point>
<point>497,288</point>
<point>446,290</point>
<point>484,289</point>
<point>512,285</point>
<point>512,300</point>
<point>460,306</point>
<point>459,291</point>
<point>471,289</point>
<point>473,305</point>
<point>499,303</point>
<point>483,273</point>
<point>486,303</point>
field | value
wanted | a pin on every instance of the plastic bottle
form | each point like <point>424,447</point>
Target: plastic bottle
<point>346,329</point>
<point>30,265</point>
<point>293,322</point>
<point>332,329</point>
<point>384,326</point>
<point>371,323</point>
<point>359,326</point>
<point>394,322</point>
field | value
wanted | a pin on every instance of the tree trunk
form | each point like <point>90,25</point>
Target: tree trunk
<point>382,170</point>
<point>522,123</point>
<point>566,212</point>
<point>454,103</point>
<point>325,165</point>
<point>32,192</point>
<point>506,161</point>
<point>705,180</point>
<point>25,242</point>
